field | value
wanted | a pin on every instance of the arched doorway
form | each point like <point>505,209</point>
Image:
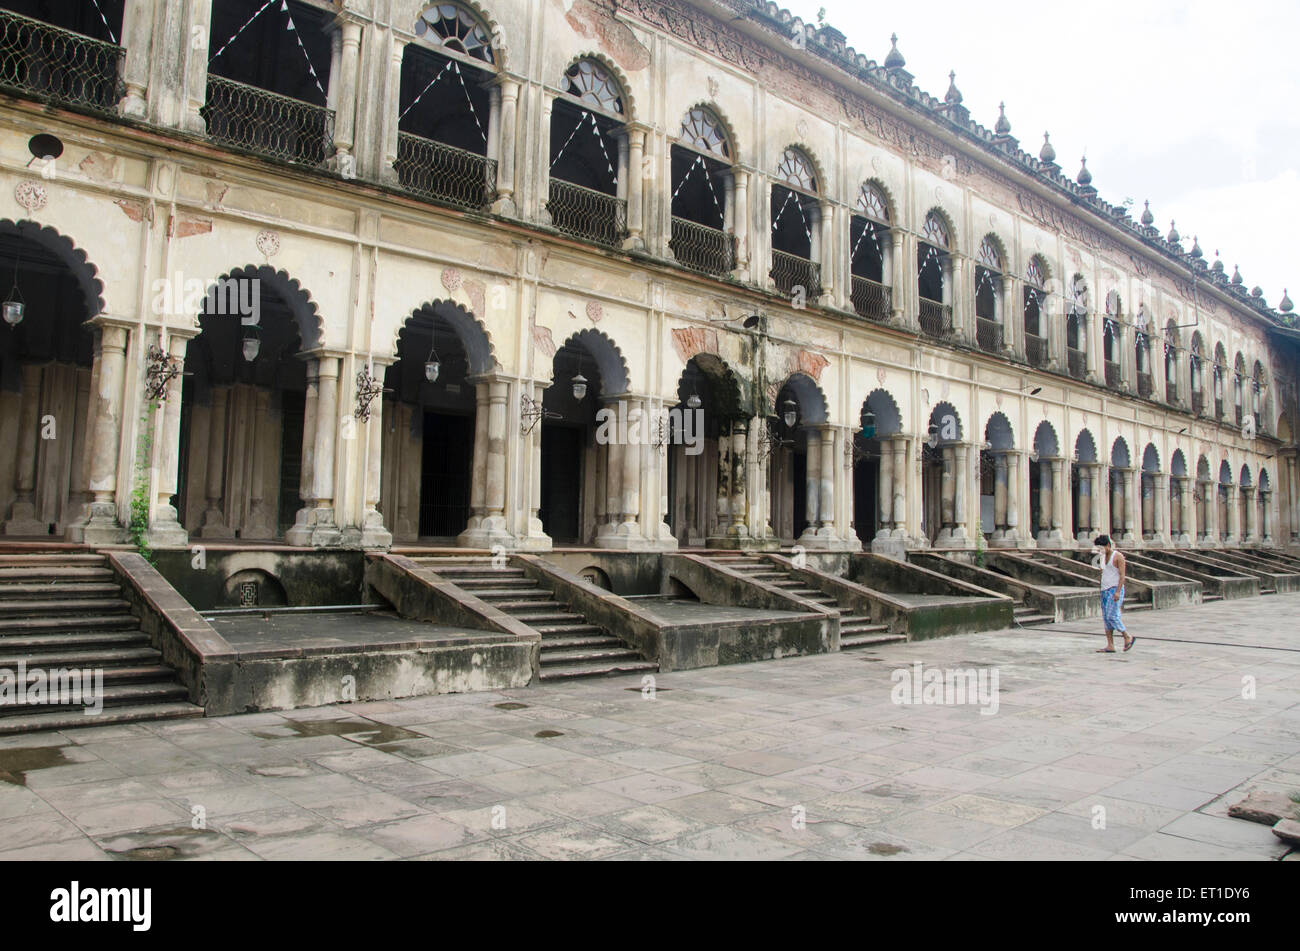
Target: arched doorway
<point>1204,496</point>
<point>1181,528</point>
<point>709,400</point>
<point>1121,518</point>
<point>801,447</point>
<point>46,360</point>
<point>1245,524</point>
<point>244,412</point>
<point>1225,503</point>
<point>943,479</point>
<point>1087,488</point>
<point>880,474</point>
<point>998,483</point>
<point>1152,528</point>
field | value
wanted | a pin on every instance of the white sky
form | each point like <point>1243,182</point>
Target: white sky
<point>1192,104</point>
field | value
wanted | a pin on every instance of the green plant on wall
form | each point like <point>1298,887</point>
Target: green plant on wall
<point>979,549</point>
<point>138,526</point>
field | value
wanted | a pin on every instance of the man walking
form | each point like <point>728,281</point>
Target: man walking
<point>1113,571</point>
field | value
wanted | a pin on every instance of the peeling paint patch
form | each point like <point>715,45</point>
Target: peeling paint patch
<point>99,167</point>
<point>132,209</point>
<point>543,340</point>
<point>615,39</point>
<point>183,226</point>
<point>688,341</point>
<point>476,291</point>
<point>217,192</point>
<point>812,364</point>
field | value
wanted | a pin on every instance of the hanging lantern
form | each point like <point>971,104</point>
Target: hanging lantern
<point>252,347</point>
<point>14,306</point>
<point>868,425</point>
<point>693,401</point>
<point>790,412</point>
<point>579,387</point>
<point>432,365</point>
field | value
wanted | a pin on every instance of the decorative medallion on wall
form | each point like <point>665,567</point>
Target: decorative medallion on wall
<point>997,400</point>
<point>938,193</point>
<point>876,162</point>
<point>993,221</point>
<point>713,87</point>
<point>944,390</point>
<point>451,279</point>
<point>801,127</point>
<point>925,396</point>
<point>880,375</point>
<point>268,242</point>
<point>595,313</point>
<point>31,195</point>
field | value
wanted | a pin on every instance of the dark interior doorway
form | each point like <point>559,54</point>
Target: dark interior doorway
<point>561,509</point>
<point>448,454</point>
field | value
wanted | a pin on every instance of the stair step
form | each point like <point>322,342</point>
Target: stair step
<point>577,641</point>
<point>533,605</point>
<point>1029,620</point>
<point>74,657</point>
<point>583,655</point>
<point>83,640</point>
<point>507,594</point>
<point>492,581</point>
<point>50,558</point>
<point>64,718</point>
<point>547,617</point>
<point>9,608</point>
<point>57,590</point>
<point>94,622</point>
<point>114,695</point>
<point>72,573</point>
<point>867,640</point>
<point>569,630</point>
<point>598,670</point>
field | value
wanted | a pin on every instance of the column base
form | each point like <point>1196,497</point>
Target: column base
<point>214,525</point>
<point>952,538</point>
<point>299,533</point>
<point>536,538</point>
<point>826,540</point>
<point>316,529</point>
<point>490,532</point>
<point>742,543</point>
<point>1050,539</point>
<point>1183,541</point>
<point>373,532</point>
<point>101,528</point>
<point>165,531</point>
<point>22,521</point>
<point>505,206</point>
<point>1007,538</point>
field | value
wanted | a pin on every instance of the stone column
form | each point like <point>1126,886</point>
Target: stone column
<point>387,173</point>
<point>214,519</point>
<point>614,453</point>
<point>999,497</point>
<point>1086,489</point>
<point>963,476</point>
<point>1115,524</point>
<point>628,532</point>
<point>740,223</point>
<point>374,534</point>
<point>947,492</point>
<point>137,33</point>
<point>1013,497</point>
<point>194,71</point>
<point>885,487</point>
<point>1160,492</point>
<point>1006,315</point>
<point>1233,533</point>
<point>537,539</point>
<point>165,529</point>
<point>102,527</point>
<point>259,523</point>
<point>1044,500</point>
<point>325,532</point>
<point>827,258</point>
<point>300,533</point>
<point>1132,533</point>
<point>1252,516</point>
<point>812,509</point>
<point>541,181</point>
<point>22,517</point>
<point>1098,493</point>
<point>898,292</point>
<point>635,201</point>
<point>478,484</point>
<point>1187,513</point>
<point>739,437</point>
<point>1265,517</point>
<point>960,319</point>
<point>826,509</point>
<point>495,498</point>
<point>507,140</point>
<point>899,515</point>
<point>345,109</point>
<point>1056,516</point>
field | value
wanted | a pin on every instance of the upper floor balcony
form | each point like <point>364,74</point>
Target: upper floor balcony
<point>988,334</point>
<point>266,123</point>
<point>935,319</point>
<point>796,276</point>
<point>58,65</point>
<point>1036,350</point>
<point>1076,363</point>
<point>871,299</point>
<point>444,173</point>
<point>587,213</point>
<point>701,248</point>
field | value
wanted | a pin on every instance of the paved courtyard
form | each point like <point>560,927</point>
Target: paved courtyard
<point>1088,756</point>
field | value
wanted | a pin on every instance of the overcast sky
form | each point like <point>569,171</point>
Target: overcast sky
<point>1193,104</point>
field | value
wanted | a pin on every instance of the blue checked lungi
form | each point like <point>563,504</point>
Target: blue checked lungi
<point>1111,601</point>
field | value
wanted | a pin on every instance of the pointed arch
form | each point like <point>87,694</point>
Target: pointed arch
<point>1244,478</point>
<point>1120,457</point>
<point>796,166</point>
<point>874,201</point>
<point>1202,469</point>
<point>1225,472</point>
<point>1150,459</point>
<point>1178,464</point>
<point>722,380</point>
<point>938,231</point>
<point>705,128</point>
<point>1085,447</point>
<point>939,417</point>
<point>992,253</point>
<point>431,13</point>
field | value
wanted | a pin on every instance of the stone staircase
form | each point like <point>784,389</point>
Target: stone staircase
<point>66,610</point>
<point>856,630</point>
<point>1025,616</point>
<point>571,645</point>
<point>1131,601</point>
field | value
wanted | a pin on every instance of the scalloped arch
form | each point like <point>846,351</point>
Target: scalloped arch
<point>940,411</point>
<point>1120,457</point>
<point>946,219</point>
<point>891,205</point>
<point>1085,446</point>
<point>499,44</point>
<point>311,326</point>
<point>620,77</point>
<point>822,181</point>
<point>61,246</point>
<point>1178,463</point>
<point>1151,458</point>
<point>1001,247</point>
<point>813,407</point>
<point>718,372</point>
<point>1046,443</point>
<point>999,431</point>
<point>471,332</point>
<point>712,108</point>
<point>1244,479</point>
<point>889,419</point>
<point>614,376</point>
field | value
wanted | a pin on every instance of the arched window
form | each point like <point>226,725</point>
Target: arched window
<point>934,276</point>
<point>1112,335</point>
<point>1142,352</point>
<point>1258,401</point>
<point>1239,389</point>
<point>796,226</point>
<point>871,253</point>
<point>1220,371</point>
<point>446,108</point>
<point>1172,350</point>
<point>703,236</point>
<point>1196,368</point>
<point>1036,276</point>
<point>1076,329</point>
<point>268,78</point>
<point>988,295</point>
<point>586,193</point>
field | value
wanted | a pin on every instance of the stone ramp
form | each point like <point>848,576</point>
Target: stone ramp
<point>65,620</point>
<point>1035,604</point>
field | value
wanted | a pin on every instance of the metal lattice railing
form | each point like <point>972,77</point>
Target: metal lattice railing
<point>58,65</point>
<point>1198,402</point>
<point>988,334</point>
<point>1171,392</point>
<point>1036,350</point>
<point>935,318</point>
<point>1113,374</point>
<point>1076,363</point>
<point>1218,407</point>
<point>791,272</point>
<point>1146,385</point>
<point>267,123</point>
<point>702,248</point>
<point>587,213</point>
<point>441,172</point>
<point>871,299</point>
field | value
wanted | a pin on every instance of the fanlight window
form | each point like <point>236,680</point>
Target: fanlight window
<point>872,204</point>
<point>989,256</point>
<point>702,131</point>
<point>935,231</point>
<point>1034,273</point>
<point>1079,296</point>
<point>455,28</point>
<point>592,85</point>
<point>796,170</point>
<point>1112,304</point>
